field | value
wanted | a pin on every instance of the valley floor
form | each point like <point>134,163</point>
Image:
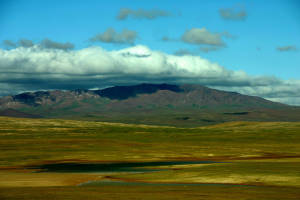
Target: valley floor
<point>65,159</point>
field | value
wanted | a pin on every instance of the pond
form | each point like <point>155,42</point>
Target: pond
<point>110,167</point>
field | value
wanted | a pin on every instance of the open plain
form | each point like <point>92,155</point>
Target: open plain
<point>65,159</point>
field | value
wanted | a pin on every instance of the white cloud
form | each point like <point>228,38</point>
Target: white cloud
<point>287,48</point>
<point>111,36</point>
<point>237,13</point>
<point>9,44</point>
<point>183,52</point>
<point>202,36</point>
<point>36,68</point>
<point>209,49</point>
<point>46,43</point>
<point>26,43</point>
<point>142,14</point>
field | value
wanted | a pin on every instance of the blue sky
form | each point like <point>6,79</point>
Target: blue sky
<point>266,26</point>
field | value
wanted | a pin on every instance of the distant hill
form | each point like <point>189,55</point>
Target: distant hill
<point>14,113</point>
<point>161,104</point>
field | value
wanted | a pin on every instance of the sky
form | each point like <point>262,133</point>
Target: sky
<point>247,46</point>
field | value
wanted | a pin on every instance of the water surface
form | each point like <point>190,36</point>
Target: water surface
<point>111,167</point>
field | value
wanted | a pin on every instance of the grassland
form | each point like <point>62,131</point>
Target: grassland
<point>254,160</point>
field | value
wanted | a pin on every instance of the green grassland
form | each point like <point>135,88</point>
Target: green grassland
<point>253,160</point>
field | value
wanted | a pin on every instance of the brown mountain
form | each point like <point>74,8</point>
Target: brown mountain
<point>9,112</point>
<point>185,105</point>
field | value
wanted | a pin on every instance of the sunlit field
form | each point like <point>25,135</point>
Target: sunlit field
<point>64,159</point>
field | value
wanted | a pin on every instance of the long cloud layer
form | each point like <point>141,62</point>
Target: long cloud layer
<point>36,68</point>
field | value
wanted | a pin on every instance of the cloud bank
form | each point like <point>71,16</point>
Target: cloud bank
<point>141,14</point>
<point>35,68</point>
<point>111,36</point>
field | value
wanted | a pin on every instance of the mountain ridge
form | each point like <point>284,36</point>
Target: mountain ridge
<point>163,104</point>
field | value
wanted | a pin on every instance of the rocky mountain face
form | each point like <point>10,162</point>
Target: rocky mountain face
<point>148,103</point>
<point>41,98</point>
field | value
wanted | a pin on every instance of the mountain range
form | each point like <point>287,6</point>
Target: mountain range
<point>159,104</point>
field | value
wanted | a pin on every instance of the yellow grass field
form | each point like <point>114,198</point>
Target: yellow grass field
<point>65,159</point>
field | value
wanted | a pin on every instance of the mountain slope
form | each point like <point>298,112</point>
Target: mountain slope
<point>14,113</point>
<point>185,105</point>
